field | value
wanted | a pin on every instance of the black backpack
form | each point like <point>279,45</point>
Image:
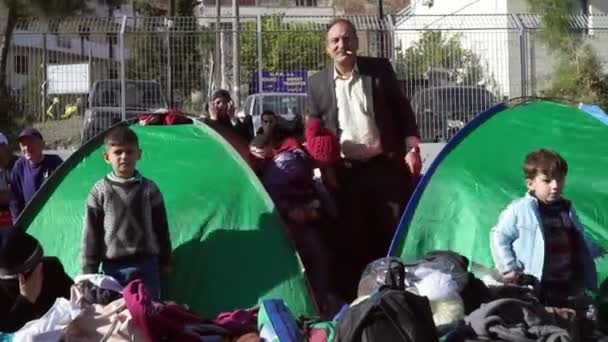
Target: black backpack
<point>391,314</point>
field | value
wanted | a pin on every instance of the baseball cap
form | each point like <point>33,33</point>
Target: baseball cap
<point>30,132</point>
<point>3,139</point>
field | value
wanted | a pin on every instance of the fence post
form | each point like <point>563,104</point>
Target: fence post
<point>169,24</point>
<point>236,52</point>
<point>218,37</point>
<point>223,61</point>
<point>260,53</point>
<point>391,32</point>
<point>522,53</point>
<point>531,46</point>
<point>44,90</point>
<point>123,87</point>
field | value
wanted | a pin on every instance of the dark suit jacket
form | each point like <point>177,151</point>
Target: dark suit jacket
<point>393,113</point>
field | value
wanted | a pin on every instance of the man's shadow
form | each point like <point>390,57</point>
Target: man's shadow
<point>232,268</point>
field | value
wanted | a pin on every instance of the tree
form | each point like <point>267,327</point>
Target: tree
<point>576,76</point>
<point>11,119</point>
<point>167,47</point>
<point>18,9</point>
<point>285,46</point>
<point>435,50</point>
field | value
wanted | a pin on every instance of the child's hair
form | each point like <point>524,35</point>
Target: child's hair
<point>547,162</point>
<point>268,112</point>
<point>261,141</point>
<point>121,135</point>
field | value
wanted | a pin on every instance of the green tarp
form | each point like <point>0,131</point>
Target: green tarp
<point>229,245</point>
<point>480,172</point>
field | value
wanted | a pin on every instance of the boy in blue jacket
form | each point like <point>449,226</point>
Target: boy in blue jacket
<point>540,235</point>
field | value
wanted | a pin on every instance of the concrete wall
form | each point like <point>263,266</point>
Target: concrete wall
<point>252,11</point>
<point>490,37</point>
<point>489,6</point>
<point>495,39</point>
<point>461,7</point>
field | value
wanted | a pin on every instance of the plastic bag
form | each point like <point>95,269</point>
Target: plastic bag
<point>442,291</point>
<point>374,276</point>
<point>100,280</point>
<point>447,313</point>
<point>438,286</point>
<point>51,324</point>
<point>425,268</point>
<point>439,280</point>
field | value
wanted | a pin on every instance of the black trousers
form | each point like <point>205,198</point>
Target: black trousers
<point>371,198</point>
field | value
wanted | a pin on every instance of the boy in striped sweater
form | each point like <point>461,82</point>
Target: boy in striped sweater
<point>125,226</point>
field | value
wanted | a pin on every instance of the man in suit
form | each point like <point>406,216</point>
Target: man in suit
<point>359,99</point>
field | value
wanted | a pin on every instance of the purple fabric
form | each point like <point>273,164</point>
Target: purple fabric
<point>26,179</point>
<point>239,322</point>
<point>288,178</point>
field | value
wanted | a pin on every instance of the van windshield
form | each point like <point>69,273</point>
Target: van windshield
<point>280,104</point>
<point>139,95</point>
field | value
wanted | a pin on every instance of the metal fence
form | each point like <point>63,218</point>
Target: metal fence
<point>540,62</point>
<point>75,76</point>
<point>68,74</point>
<point>455,66</point>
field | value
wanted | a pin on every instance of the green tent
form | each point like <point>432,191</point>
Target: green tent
<point>479,172</point>
<point>229,245</point>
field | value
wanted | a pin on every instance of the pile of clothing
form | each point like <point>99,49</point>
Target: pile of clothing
<point>99,309</point>
<point>464,308</point>
<point>433,299</point>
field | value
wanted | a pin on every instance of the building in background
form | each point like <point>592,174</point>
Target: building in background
<point>60,57</point>
<point>491,29</point>
<point>252,8</point>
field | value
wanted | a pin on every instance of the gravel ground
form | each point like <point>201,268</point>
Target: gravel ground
<point>429,152</point>
<point>63,137</point>
<point>61,134</point>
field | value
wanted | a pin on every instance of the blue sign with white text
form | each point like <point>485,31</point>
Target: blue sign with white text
<point>289,81</point>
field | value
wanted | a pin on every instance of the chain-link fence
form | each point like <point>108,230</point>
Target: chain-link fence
<point>51,67</point>
<point>69,74</point>
<point>73,77</point>
<point>540,61</point>
<point>455,66</point>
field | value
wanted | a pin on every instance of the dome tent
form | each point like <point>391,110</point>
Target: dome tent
<point>229,246</point>
<point>479,172</point>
